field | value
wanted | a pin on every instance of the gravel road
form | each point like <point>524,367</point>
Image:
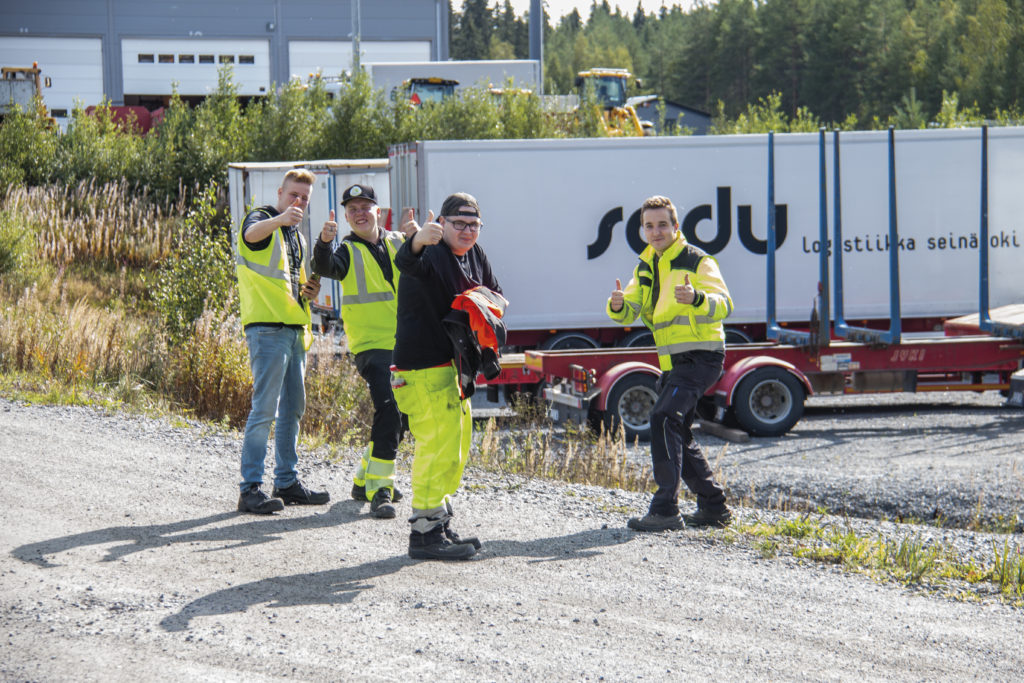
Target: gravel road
<point>123,559</point>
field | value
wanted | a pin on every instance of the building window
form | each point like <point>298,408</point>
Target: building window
<point>59,113</point>
<point>186,59</point>
<point>206,59</point>
<point>145,59</point>
<point>227,59</point>
<point>166,59</point>
<point>246,59</point>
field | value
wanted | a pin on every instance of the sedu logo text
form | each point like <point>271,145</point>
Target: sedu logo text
<point>689,227</point>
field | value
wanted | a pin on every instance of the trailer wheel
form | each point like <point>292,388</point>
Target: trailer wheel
<point>636,338</point>
<point>768,402</point>
<point>568,340</point>
<point>630,403</point>
<point>736,336</point>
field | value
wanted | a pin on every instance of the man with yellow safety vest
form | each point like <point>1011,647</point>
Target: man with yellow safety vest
<point>274,294</point>
<point>363,262</point>
<point>440,261</point>
<point>678,292</point>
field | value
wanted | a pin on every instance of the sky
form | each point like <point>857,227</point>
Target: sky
<point>559,8</point>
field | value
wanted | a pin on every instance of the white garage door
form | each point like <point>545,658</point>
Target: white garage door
<point>151,66</point>
<point>74,66</point>
<point>331,57</point>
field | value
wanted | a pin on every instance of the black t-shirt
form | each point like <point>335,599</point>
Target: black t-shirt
<point>429,283</point>
<point>292,243</point>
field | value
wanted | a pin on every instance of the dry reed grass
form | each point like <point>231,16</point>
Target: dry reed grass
<point>576,456</point>
<point>75,342</point>
<point>109,224</point>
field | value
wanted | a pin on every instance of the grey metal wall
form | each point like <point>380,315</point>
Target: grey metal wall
<point>276,20</point>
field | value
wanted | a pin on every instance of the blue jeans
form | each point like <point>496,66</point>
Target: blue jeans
<point>278,362</point>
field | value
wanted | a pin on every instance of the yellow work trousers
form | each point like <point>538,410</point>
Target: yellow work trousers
<point>442,425</point>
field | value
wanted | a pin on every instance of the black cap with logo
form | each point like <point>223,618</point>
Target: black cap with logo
<point>358,192</point>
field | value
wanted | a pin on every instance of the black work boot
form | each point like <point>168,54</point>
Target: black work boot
<point>434,545</point>
<point>297,494</point>
<point>655,522</point>
<point>359,493</point>
<point>715,517</point>
<point>381,506</point>
<point>253,500</point>
<point>454,537</point>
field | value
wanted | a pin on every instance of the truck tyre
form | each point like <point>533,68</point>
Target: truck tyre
<point>568,340</point>
<point>630,403</point>
<point>736,336</point>
<point>636,338</point>
<point>768,402</point>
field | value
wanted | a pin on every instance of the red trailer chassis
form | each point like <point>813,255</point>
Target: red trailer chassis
<point>764,385</point>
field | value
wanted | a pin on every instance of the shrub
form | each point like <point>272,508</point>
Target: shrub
<point>200,274</point>
<point>209,371</point>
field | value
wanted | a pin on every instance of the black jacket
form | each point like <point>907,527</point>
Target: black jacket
<point>429,283</point>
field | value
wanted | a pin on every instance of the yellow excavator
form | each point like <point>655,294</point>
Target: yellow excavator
<point>609,85</point>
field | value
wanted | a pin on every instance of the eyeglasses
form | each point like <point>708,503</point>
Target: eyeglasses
<point>472,226</point>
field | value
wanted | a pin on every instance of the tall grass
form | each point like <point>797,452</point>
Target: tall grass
<point>76,343</point>
<point>100,224</point>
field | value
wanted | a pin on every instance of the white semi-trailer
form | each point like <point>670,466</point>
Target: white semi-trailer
<point>561,219</point>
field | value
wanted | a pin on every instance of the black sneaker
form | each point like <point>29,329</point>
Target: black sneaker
<point>433,545</point>
<point>454,537</point>
<point>297,494</point>
<point>381,506</point>
<point>255,501</point>
<point>359,493</point>
<point>653,522</point>
<point>716,518</point>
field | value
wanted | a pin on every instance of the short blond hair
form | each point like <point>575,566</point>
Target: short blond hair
<point>299,175</point>
<point>660,202</point>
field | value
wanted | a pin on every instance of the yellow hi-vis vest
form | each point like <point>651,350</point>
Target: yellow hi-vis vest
<point>265,287</point>
<point>369,307</point>
<point>677,327</point>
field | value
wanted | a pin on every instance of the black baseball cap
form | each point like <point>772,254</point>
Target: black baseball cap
<point>460,204</point>
<point>358,192</point>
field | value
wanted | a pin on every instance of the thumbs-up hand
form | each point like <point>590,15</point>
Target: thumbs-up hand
<point>430,233</point>
<point>409,226</point>
<point>330,229</point>
<point>618,297</point>
<point>684,292</point>
<point>293,214</point>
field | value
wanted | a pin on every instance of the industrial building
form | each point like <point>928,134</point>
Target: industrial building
<point>136,51</point>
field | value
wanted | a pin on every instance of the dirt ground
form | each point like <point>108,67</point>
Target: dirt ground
<point>123,559</point>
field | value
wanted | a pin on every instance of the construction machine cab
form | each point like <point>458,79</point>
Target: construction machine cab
<point>610,87</point>
<point>420,90</point>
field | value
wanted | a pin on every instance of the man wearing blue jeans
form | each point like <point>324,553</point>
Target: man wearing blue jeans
<point>274,294</point>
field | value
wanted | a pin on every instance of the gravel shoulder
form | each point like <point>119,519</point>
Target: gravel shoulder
<point>122,558</point>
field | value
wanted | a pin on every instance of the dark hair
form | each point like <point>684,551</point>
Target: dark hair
<point>660,202</point>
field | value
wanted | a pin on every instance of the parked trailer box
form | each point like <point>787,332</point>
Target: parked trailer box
<point>255,184</point>
<point>561,217</point>
<point>525,73</point>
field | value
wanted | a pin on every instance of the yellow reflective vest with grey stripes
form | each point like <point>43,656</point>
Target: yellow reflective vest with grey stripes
<point>677,327</point>
<point>264,284</point>
<point>369,308</point>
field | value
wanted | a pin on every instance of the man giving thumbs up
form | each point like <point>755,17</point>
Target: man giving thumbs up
<point>678,292</point>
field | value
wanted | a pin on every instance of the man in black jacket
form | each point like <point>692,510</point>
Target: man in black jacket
<point>440,261</point>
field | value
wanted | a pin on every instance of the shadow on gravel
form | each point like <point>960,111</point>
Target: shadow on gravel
<point>251,530</point>
<point>580,545</point>
<point>342,585</point>
<point>331,587</point>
